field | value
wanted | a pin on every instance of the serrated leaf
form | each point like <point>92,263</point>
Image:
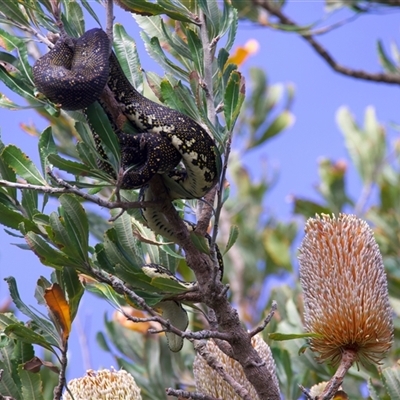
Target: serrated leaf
<point>75,18</point>
<point>74,289</point>
<point>14,14</point>
<point>46,146</point>
<point>49,333</point>
<point>76,224</point>
<point>213,14</point>
<point>71,167</point>
<point>8,385</point>
<point>155,50</point>
<point>372,392</point>
<point>196,50</point>
<point>31,383</point>
<point>391,377</point>
<point>143,7</point>
<point>13,219</point>
<point>126,51</point>
<point>233,235</point>
<point>233,99</point>
<point>101,125</point>
<point>48,255</point>
<point>30,204</point>
<point>22,165</point>
<point>27,335</point>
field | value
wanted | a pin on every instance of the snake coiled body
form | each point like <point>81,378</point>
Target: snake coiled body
<point>74,73</point>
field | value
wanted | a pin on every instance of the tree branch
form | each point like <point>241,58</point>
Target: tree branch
<point>358,74</point>
<point>69,189</point>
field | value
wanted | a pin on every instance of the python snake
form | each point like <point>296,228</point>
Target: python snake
<point>74,74</point>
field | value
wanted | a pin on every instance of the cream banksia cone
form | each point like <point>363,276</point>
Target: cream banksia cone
<point>104,385</point>
<point>210,383</point>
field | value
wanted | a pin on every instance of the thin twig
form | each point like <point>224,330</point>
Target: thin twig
<point>347,360</point>
<point>327,29</point>
<point>266,321</point>
<point>182,394</point>
<point>358,74</point>
<point>306,392</point>
<point>69,189</point>
<point>61,376</point>
<point>110,21</point>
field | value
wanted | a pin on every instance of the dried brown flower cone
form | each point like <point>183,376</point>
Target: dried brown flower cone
<point>345,290</point>
<point>209,382</point>
<point>104,385</point>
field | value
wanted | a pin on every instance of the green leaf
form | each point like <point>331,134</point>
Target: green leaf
<point>308,208</point>
<point>155,50</point>
<point>8,385</point>
<point>177,315</point>
<point>14,14</point>
<point>126,51</point>
<point>142,7</point>
<point>13,219</point>
<point>27,335</point>
<point>230,21</point>
<point>284,120</point>
<point>22,165</point>
<point>30,203</point>
<point>213,14</point>
<point>48,255</point>
<point>366,146</point>
<point>105,291</point>
<point>169,286</point>
<point>101,125</point>
<point>47,329</point>
<point>233,235</point>
<point>75,17</point>
<point>371,391</point>
<point>196,50</point>
<point>233,99</point>
<point>290,336</point>
<point>391,377</point>
<point>31,383</point>
<point>74,289</point>
<point>200,242</point>
<point>71,167</point>
<point>76,224</point>
<point>47,146</point>
<point>11,42</point>
<point>130,245</point>
<point>385,61</point>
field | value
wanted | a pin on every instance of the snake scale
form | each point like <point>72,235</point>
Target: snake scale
<point>74,74</point>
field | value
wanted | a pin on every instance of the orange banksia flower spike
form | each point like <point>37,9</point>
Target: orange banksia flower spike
<point>346,299</point>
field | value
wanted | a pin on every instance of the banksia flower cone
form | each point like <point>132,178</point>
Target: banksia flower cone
<point>345,291</point>
<point>104,385</point>
<point>209,382</point>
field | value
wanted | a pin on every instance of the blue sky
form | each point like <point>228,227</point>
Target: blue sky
<point>286,58</point>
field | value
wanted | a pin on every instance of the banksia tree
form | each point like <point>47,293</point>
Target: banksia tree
<point>346,300</point>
